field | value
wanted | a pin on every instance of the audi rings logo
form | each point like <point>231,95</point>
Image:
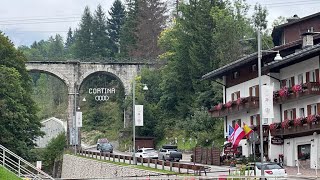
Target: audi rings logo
<point>101,98</point>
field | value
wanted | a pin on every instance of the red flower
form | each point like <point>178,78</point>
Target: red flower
<point>283,92</point>
<point>272,126</point>
<point>311,118</point>
<point>228,104</point>
<point>298,121</point>
<point>297,88</point>
<point>218,107</point>
<point>239,101</point>
<point>285,123</point>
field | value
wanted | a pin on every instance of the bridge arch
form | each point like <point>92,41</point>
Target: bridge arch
<point>55,74</point>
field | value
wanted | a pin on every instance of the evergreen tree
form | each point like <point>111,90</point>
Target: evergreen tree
<point>56,48</point>
<point>115,23</point>
<point>83,41</point>
<point>69,40</point>
<point>151,21</point>
<point>19,125</point>
<point>127,33</point>
<point>100,39</point>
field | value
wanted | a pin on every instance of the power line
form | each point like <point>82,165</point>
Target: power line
<point>44,22</point>
<point>39,19</point>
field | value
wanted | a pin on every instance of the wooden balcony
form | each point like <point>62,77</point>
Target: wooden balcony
<point>246,104</point>
<point>297,131</point>
<point>308,89</point>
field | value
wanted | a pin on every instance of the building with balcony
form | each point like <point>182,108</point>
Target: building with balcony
<point>293,133</point>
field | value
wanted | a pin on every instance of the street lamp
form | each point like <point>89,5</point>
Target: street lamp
<point>145,88</point>
<point>277,58</point>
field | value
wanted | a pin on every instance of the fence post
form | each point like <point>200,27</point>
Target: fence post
<point>156,163</point>
<point>163,165</point>
<point>19,168</point>
<point>129,160</point>
<point>170,166</point>
<point>148,162</point>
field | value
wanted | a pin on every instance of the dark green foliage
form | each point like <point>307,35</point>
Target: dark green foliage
<point>114,23</point>
<point>100,39</point>
<point>83,41</point>
<point>127,33</point>
<point>19,125</point>
<point>53,152</point>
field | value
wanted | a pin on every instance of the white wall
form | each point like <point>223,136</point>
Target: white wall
<point>52,128</point>
<point>302,103</point>
<point>291,149</point>
<point>298,68</point>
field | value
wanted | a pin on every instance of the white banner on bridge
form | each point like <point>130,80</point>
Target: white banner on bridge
<point>79,119</point>
<point>138,115</point>
<point>267,101</point>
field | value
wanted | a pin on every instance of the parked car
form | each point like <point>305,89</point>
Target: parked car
<point>101,140</point>
<point>147,153</point>
<point>271,170</point>
<point>106,147</point>
<point>170,152</point>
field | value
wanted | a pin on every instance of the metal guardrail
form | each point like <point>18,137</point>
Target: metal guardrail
<point>158,164</point>
<point>19,166</point>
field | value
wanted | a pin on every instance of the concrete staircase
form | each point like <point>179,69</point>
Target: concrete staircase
<point>19,166</point>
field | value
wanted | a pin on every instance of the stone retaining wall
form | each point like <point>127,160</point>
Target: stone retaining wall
<point>77,167</point>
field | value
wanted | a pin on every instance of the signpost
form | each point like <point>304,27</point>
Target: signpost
<point>253,138</point>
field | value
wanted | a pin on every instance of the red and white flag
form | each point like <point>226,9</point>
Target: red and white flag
<point>238,135</point>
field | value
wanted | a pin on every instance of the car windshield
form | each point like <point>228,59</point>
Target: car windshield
<point>269,166</point>
<point>106,145</point>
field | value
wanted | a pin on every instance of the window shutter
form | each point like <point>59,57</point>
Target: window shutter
<point>285,114</point>
<point>251,120</point>
<point>233,123</point>
<point>292,81</point>
<point>318,108</point>
<point>294,113</point>
<point>238,93</point>
<point>232,97</point>
<point>317,75</point>
<point>307,77</point>
<point>258,119</point>
<point>239,122</point>
<point>250,91</point>
<point>309,110</point>
<point>257,90</point>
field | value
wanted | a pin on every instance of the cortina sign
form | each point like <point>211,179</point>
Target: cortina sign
<point>101,93</point>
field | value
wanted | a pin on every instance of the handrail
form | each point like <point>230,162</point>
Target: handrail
<point>8,162</point>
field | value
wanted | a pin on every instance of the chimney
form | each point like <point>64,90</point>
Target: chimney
<point>293,18</point>
<point>307,38</point>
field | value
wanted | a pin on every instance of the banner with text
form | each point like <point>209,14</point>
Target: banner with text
<point>267,101</point>
<point>79,119</point>
<point>138,115</point>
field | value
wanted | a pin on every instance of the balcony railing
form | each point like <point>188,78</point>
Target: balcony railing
<point>292,93</point>
<point>233,107</point>
<point>297,131</point>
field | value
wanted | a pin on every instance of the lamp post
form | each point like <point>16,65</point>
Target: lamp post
<point>277,58</point>
<point>145,88</point>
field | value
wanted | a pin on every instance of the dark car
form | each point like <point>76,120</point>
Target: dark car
<point>100,141</point>
<point>106,147</point>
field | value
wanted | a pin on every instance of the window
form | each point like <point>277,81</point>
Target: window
<point>254,120</point>
<point>235,75</point>
<point>300,79</point>
<point>301,112</point>
<point>313,109</point>
<point>290,114</point>
<point>288,82</point>
<point>235,95</point>
<point>237,121</point>
<point>312,75</point>
<point>304,151</point>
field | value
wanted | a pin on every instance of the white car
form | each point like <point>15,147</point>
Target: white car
<point>271,170</point>
<point>147,153</point>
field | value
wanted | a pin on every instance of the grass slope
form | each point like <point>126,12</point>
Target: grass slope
<point>7,175</point>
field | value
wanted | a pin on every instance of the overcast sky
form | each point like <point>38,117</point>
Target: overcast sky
<point>28,21</point>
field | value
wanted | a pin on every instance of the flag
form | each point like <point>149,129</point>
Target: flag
<point>230,134</point>
<point>247,130</point>
<point>238,135</point>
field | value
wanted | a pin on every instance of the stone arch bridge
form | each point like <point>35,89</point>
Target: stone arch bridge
<point>73,74</point>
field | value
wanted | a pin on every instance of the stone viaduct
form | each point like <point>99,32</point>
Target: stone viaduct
<point>74,73</point>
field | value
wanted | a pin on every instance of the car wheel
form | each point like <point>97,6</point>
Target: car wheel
<point>163,158</point>
<point>98,147</point>
<point>111,152</point>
